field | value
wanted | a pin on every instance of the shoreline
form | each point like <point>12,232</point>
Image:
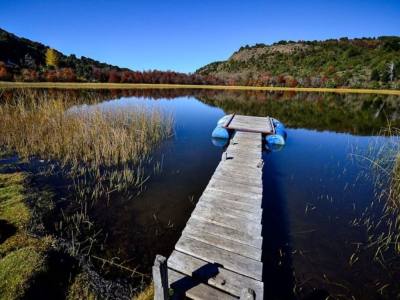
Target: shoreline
<point>84,85</point>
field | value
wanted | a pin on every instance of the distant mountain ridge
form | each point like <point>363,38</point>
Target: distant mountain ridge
<point>21,52</point>
<point>356,63</point>
<point>24,60</point>
<point>364,62</point>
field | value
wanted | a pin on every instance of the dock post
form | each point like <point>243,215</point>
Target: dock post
<point>247,294</point>
<point>160,278</point>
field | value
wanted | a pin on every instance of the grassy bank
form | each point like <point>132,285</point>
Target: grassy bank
<point>66,85</point>
<point>22,256</point>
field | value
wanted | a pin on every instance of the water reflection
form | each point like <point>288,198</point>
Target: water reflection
<point>313,189</point>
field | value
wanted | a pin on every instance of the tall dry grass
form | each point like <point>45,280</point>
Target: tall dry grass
<point>383,226</point>
<point>97,151</point>
<point>47,129</point>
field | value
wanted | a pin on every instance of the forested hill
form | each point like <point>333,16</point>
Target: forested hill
<point>25,60</point>
<point>365,62</point>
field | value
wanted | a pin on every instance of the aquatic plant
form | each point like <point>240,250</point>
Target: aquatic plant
<point>384,229</point>
<point>106,148</point>
<point>95,151</point>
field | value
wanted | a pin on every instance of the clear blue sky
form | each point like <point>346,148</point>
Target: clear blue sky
<point>183,35</point>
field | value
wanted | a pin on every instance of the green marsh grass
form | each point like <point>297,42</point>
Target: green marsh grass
<point>22,256</point>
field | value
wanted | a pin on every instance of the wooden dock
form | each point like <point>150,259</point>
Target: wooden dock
<point>219,253</point>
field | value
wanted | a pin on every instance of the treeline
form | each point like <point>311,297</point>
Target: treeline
<point>357,63</point>
<point>28,61</point>
<point>361,63</point>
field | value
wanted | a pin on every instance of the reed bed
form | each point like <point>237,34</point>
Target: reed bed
<point>383,228</point>
<point>95,137</point>
<point>97,151</point>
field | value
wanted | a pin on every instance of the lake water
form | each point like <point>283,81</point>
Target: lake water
<point>314,188</point>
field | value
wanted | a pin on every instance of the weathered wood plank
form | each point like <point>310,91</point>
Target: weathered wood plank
<point>231,210</point>
<point>234,166</point>
<point>239,165</point>
<point>251,182</point>
<point>214,275</point>
<point>229,260</point>
<point>225,168</point>
<point>185,285</point>
<point>231,186</point>
<point>160,278</point>
<point>245,159</point>
<point>240,224</point>
<point>232,204</point>
<point>227,232</point>
<point>223,243</point>
<point>225,171</point>
<point>256,150</point>
<point>251,198</point>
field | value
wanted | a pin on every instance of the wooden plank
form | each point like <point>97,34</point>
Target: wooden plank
<point>253,167</point>
<point>232,204</point>
<point>237,223</point>
<point>253,148</point>
<point>185,285</point>
<point>247,134</point>
<point>214,275</point>
<point>249,124</point>
<point>229,260</point>
<point>239,165</point>
<point>230,186</point>
<point>261,121</point>
<point>160,278</point>
<point>254,172</point>
<point>223,243</point>
<point>223,231</point>
<point>248,158</point>
<point>224,170</point>
<point>230,211</point>
<point>237,178</point>
<point>250,198</point>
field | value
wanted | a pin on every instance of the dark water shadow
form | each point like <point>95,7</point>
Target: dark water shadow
<point>6,230</point>
<point>277,253</point>
<point>54,282</point>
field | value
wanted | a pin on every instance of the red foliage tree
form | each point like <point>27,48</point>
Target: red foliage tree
<point>66,75</point>
<point>4,75</point>
<point>50,76</point>
<point>114,77</point>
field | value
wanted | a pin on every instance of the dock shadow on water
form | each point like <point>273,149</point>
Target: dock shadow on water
<point>277,253</point>
<point>313,193</point>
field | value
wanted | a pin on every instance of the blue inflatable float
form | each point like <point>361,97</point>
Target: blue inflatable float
<point>273,141</point>
<point>279,137</point>
<point>220,132</point>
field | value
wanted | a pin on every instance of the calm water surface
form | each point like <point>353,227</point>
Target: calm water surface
<point>313,188</point>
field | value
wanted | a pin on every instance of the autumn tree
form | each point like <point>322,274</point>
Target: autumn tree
<point>51,58</point>
<point>3,71</point>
